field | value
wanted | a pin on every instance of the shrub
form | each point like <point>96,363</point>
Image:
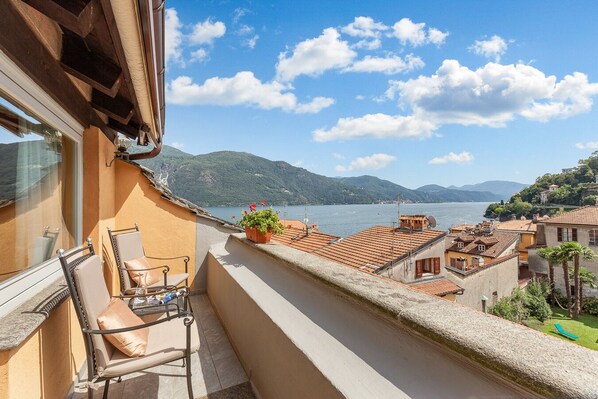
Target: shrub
<point>539,288</point>
<point>538,307</point>
<point>510,308</point>
<point>590,306</point>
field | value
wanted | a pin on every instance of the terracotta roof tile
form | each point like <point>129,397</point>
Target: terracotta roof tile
<point>587,215</point>
<point>439,287</point>
<point>496,244</point>
<point>298,239</point>
<point>377,246</point>
<point>518,225</point>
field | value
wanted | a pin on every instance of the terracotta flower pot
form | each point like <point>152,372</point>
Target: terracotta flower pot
<point>254,235</point>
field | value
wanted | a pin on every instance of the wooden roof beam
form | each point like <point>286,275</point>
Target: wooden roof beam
<point>118,108</point>
<point>92,67</point>
<point>76,15</point>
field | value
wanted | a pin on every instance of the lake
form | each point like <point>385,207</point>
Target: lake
<point>345,220</point>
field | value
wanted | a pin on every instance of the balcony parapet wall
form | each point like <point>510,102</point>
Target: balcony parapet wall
<point>512,355</point>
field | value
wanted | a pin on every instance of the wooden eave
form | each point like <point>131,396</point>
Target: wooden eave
<point>90,50</point>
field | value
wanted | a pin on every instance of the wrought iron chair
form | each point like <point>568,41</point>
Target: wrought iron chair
<point>170,337</point>
<point>127,245</point>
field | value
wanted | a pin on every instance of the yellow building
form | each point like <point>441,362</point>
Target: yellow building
<point>527,235</point>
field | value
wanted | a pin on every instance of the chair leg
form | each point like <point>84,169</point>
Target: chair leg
<point>106,387</point>
<point>189,385</point>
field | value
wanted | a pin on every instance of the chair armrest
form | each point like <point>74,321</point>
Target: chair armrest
<point>166,267</point>
<point>185,258</point>
<point>189,319</point>
<point>169,258</point>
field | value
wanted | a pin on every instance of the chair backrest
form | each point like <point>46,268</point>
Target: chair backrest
<point>82,270</point>
<point>126,244</point>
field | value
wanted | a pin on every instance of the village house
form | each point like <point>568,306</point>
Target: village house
<point>268,321</point>
<point>484,261</point>
<point>579,225</point>
<point>411,254</point>
<point>308,239</point>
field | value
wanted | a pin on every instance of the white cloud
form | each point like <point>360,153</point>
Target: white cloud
<point>242,89</point>
<point>436,36</point>
<point>298,163</point>
<point>205,32</point>
<point>493,48</point>
<point>593,145</point>
<point>245,30</point>
<point>251,42</point>
<point>374,161</point>
<point>315,56</point>
<point>360,97</point>
<point>200,55</point>
<point>173,37</point>
<point>336,155</point>
<point>367,44</point>
<point>451,157</point>
<point>177,145</point>
<point>493,94</point>
<point>488,96</point>
<point>315,105</point>
<point>415,34</point>
<point>376,126</point>
<point>364,27</point>
<point>238,14</point>
<point>389,65</point>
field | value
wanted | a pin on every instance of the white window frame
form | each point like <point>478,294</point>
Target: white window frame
<point>481,247</point>
<point>23,90</point>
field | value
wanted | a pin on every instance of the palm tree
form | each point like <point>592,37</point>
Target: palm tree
<point>550,255</point>
<point>574,251</point>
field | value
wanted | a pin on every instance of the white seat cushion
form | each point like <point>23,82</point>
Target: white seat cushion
<point>167,342</point>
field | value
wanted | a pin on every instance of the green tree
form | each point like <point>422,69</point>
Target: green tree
<point>574,251</point>
<point>588,278</point>
<point>589,200</point>
<point>551,255</point>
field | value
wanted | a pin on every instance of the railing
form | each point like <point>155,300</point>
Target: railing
<point>293,318</point>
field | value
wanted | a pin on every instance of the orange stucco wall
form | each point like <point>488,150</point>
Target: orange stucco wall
<point>45,365</point>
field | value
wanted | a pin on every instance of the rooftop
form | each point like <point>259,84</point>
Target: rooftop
<point>377,246</point>
<point>587,215</point>
<point>518,225</point>
<point>496,243</point>
<point>299,239</point>
<point>439,287</point>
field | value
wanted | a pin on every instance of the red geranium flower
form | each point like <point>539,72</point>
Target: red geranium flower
<point>264,202</point>
<point>252,207</point>
<point>244,212</point>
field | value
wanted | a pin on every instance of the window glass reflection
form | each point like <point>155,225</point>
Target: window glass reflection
<point>36,190</point>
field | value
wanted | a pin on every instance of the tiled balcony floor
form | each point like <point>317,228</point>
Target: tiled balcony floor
<point>217,373</point>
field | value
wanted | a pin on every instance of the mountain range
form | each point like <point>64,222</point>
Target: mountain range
<point>228,178</point>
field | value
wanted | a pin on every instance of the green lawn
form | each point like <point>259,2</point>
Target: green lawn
<point>586,328</point>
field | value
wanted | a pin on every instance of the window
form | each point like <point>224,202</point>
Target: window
<point>565,234</point>
<point>593,237</point>
<point>460,244</point>
<point>428,265</point>
<point>481,247</point>
<point>37,190</point>
<point>40,186</point>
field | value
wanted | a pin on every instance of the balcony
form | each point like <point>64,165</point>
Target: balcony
<point>303,326</point>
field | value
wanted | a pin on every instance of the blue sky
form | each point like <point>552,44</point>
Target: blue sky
<point>412,92</point>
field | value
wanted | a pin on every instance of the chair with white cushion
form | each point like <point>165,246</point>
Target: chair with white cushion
<point>127,245</point>
<point>165,340</point>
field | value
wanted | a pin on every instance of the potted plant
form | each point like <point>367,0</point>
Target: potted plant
<point>260,225</point>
